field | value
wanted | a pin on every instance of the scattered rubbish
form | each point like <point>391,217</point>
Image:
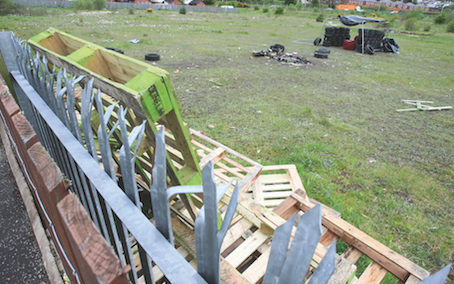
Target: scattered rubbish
<point>152,57</point>
<point>327,164</point>
<point>210,125</point>
<point>285,138</point>
<point>108,40</point>
<point>420,106</point>
<point>116,50</point>
<point>232,127</point>
<point>258,151</point>
<point>375,199</point>
<point>134,41</point>
<point>293,60</point>
<point>176,71</point>
<point>259,111</point>
<point>214,82</point>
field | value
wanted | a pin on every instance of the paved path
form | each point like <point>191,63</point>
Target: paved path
<point>20,257</point>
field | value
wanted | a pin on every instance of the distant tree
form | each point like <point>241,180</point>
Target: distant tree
<point>288,2</point>
<point>315,3</point>
<point>9,7</point>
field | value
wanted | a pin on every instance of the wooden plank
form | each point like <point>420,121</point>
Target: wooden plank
<point>272,202</point>
<point>258,268</point>
<point>327,238</point>
<point>277,194</point>
<point>285,206</point>
<point>226,169</point>
<point>272,179</point>
<point>250,245</point>
<point>351,254</point>
<point>222,176</point>
<point>273,187</point>
<point>235,232</point>
<point>245,183</point>
<point>257,191</point>
<point>185,237</point>
<point>228,150</point>
<point>373,274</point>
<point>219,152</point>
<point>398,265</point>
<point>344,272</point>
<point>230,275</point>
<point>413,280</point>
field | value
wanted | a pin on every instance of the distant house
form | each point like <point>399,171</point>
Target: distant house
<point>173,2</point>
<point>197,3</point>
<point>147,1</point>
<point>139,1</point>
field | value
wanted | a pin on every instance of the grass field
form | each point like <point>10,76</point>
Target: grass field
<point>391,174</point>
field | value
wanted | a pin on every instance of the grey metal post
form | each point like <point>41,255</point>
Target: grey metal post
<point>292,267</point>
<point>208,239</point>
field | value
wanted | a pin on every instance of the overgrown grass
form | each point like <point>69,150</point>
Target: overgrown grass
<point>391,174</point>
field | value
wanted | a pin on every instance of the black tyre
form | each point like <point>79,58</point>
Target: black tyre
<point>393,42</point>
<point>323,50</point>
<point>317,41</point>
<point>116,50</point>
<point>279,48</point>
<point>321,55</point>
<point>369,49</point>
<point>152,57</point>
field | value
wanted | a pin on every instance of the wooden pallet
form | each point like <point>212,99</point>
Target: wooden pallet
<point>246,247</point>
<point>275,184</point>
<point>384,260</point>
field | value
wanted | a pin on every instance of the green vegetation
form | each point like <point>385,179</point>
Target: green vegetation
<point>265,10</point>
<point>9,7</point>
<point>391,174</point>
<point>279,10</point>
<point>450,27</point>
<point>441,18</point>
<point>99,4</point>
<point>320,18</point>
<point>183,10</point>
<point>411,24</point>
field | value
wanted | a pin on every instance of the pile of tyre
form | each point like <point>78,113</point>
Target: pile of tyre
<point>390,45</point>
<point>335,36</point>
<point>372,40</point>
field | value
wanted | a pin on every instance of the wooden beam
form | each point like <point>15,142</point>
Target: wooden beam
<point>373,274</point>
<point>398,265</point>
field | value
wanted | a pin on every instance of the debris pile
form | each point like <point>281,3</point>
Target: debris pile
<point>277,52</point>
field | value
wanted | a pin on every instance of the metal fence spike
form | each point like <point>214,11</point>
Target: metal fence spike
<point>208,238</point>
<point>158,187</point>
<point>303,246</point>
<point>228,215</point>
<point>279,248</point>
<point>126,161</point>
<point>326,267</point>
<point>438,278</point>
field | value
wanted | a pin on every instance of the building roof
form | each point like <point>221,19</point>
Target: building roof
<point>195,2</point>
